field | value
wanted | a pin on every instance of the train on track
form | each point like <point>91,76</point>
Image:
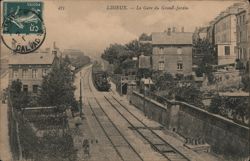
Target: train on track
<point>100,78</point>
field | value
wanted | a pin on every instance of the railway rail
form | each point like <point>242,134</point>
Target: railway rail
<point>124,149</point>
<point>156,141</point>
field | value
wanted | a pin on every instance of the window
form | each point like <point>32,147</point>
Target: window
<point>227,50</point>
<point>179,51</point>
<point>25,88</point>
<point>34,73</point>
<point>179,66</point>
<point>35,88</point>
<point>161,65</point>
<point>244,56</point>
<point>45,72</point>
<point>161,50</point>
<point>243,18</point>
<point>25,73</point>
<point>15,73</point>
<point>240,53</point>
<point>240,36</point>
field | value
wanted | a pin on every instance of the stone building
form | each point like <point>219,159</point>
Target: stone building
<point>172,52</point>
<point>225,35</point>
<point>243,36</point>
<point>30,69</point>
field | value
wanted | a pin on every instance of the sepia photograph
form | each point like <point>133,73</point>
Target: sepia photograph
<point>125,80</point>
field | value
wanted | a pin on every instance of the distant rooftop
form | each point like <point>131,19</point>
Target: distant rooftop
<point>34,58</point>
<point>234,9</point>
<point>172,38</point>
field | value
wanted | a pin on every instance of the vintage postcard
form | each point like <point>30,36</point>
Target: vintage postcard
<point>124,80</point>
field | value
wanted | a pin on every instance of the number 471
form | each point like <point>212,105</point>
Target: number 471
<point>61,8</point>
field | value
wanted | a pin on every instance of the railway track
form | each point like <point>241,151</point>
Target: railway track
<point>86,85</point>
<point>123,148</point>
<point>156,141</point>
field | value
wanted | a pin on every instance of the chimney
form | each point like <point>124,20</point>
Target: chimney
<point>182,29</point>
<point>169,31</point>
<point>54,52</point>
<point>54,45</point>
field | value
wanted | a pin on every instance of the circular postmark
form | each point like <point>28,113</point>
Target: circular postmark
<point>23,31</point>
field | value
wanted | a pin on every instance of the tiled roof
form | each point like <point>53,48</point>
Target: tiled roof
<point>174,38</point>
<point>33,58</point>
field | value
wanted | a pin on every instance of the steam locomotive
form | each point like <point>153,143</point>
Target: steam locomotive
<point>100,78</point>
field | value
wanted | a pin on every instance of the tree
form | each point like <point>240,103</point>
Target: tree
<point>144,73</point>
<point>19,98</point>
<point>115,53</point>
<point>163,81</point>
<point>215,105</point>
<point>238,106</point>
<point>205,48</point>
<point>245,81</point>
<point>145,37</point>
<point>189,93</point>
<point>57,87</point>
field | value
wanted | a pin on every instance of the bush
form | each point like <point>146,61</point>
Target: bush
<point>215,104</point>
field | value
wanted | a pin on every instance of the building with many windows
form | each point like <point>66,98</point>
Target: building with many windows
<point>243,36</point>
<point>172,52</point>
<point>30,69</point>
<point>225,35</point>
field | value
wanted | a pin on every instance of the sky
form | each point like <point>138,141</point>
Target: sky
<point>91,27</point>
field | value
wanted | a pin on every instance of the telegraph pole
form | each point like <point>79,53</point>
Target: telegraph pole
<point>80,99</point>
<point>248,86</point>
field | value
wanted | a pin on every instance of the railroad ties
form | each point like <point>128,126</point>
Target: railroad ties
<point>147,133</point>
<point>124,149</point>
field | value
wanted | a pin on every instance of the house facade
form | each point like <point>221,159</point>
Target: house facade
<point>243,37</point>
<point>172,52</point>
<point>30,69</point>
<point>225,38</point>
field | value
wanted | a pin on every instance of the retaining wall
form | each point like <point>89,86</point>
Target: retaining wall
<point>224,136</point>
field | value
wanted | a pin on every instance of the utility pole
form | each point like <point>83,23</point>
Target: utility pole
<point>144,94</point>
<point>144,100</point>
<point>248,86</point>
<point>80,99</point>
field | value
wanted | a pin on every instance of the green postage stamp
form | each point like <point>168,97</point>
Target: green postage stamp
<point>23,28</point>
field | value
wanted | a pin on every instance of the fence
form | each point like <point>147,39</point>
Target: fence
<point>13,132</point>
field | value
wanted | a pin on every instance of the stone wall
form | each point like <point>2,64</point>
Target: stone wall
<point>224,136</point>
